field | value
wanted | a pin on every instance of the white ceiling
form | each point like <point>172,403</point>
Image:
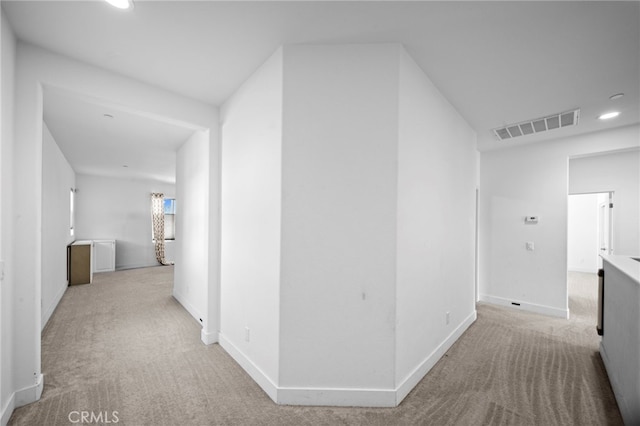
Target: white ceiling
<point>497,62</point>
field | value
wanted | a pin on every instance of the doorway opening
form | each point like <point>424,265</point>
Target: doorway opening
<point>590,235</point>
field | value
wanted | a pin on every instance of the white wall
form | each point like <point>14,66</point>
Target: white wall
<point>532,180</point>
<point>119,209</point>
<point>36,67</point>
<point>618,172</point>
<point>57,180</point>
<point>250,230</point>
<point>339,217</point>
<point>582,240</point>
<point>191,273</point>
<point>7,62</point>
<point>437,180</point>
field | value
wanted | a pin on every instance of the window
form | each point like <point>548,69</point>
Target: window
<point>169,219</point>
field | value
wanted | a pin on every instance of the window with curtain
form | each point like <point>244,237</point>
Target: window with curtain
<point>158,208</point>
<point>169,219</point>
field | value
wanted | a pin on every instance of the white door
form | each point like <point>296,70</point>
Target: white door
<point>604,227</point>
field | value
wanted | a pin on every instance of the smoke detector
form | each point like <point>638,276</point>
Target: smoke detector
<point>538,125</point>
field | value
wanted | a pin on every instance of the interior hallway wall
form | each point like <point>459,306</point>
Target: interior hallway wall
<point>529,180</point>
<point>437,179</point>
<point>191,276</point>
<point>7,81</point>
<point>58,178</point>
<point>109,208</point>
<point>251,208</point>
<point>618,172</point>
<point>35,68</point>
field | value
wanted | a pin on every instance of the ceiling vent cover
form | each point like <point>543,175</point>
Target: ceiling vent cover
<point>554,121</point>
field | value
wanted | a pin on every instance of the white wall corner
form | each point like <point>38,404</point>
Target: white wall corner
<point>7,410</point>
<point>208,337</point>
<point>31,393</point>
<point>525,306</point>
<point>427,364</point>
<point>253,370</point>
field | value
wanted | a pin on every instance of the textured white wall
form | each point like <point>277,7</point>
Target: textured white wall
<point>57,180</point>
<point>250,230</point>
<point>532,180</point>
<point>119,209</point>
<point>437,179</point>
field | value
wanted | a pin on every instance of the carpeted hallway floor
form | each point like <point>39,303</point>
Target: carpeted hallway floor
<point>124,344</point>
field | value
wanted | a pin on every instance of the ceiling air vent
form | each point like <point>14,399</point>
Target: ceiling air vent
<point>555,121</point>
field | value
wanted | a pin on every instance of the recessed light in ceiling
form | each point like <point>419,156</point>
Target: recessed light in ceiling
<point>609,115</point>
<point>616,96</point>
<point>121,4</point>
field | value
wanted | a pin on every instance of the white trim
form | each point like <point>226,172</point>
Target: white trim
<point>337,397</point>
<point>208,338</point>
<point>47,314</point>
<point>423,368</point>
<point>253,370</point>
<point>586,270</point>
<point>7,410</point>
<point>189,307</point>
<point>29,394</point>
<point>525,306</point>
<point>344,397</point>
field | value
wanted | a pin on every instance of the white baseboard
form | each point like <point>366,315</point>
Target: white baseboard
<point>7,410</point>
<point>525,306</point>
<point>196,314</point>
<point>586,270</point>
<point>341,396</point>
<point>47,314</point>
<point>337,397</point>
<point>208,338</point>
<point>30,394</point>
<point>253,370</point>
<point>423,368</point>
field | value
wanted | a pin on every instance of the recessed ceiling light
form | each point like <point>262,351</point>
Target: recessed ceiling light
<point>609,115</point>
<point>120,4</point>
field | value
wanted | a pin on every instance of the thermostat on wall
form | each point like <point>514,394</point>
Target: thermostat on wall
<point>531,219</point>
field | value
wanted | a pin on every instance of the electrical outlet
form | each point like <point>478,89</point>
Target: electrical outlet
<point>246,334</point>
<point>1,270</point>
<point>448,317</point>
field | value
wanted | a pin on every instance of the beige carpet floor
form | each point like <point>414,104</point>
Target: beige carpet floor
<point>124,344</point>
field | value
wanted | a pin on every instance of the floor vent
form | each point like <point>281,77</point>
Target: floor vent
<point>551,122</point>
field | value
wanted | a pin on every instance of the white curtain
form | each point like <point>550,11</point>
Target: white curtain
<point>157,218</point>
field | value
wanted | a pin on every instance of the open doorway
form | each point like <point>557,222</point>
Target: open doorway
<point>589,235</point>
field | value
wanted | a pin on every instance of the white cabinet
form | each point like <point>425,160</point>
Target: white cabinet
<point>104,255</point>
